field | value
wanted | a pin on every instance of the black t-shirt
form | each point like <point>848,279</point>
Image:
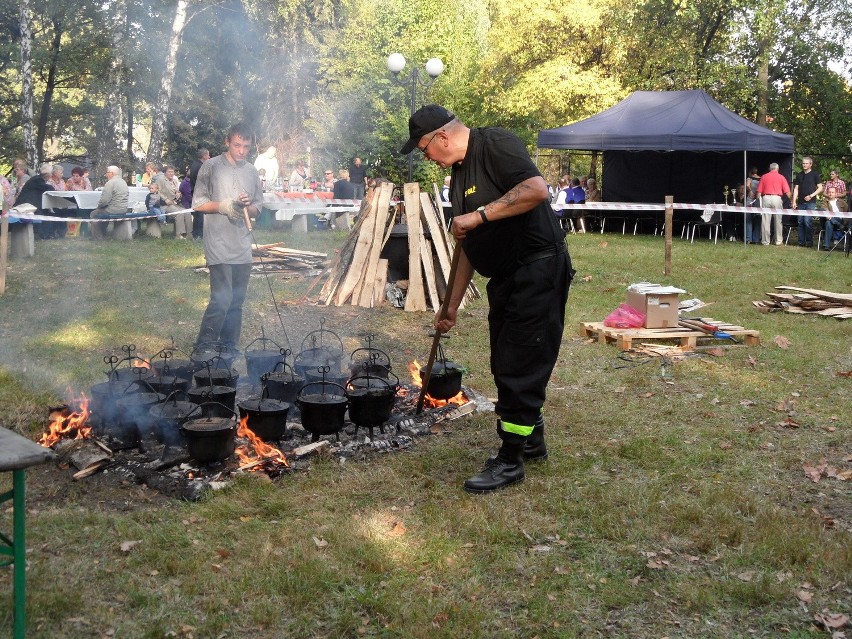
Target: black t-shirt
<point>497,161</point>
<point>807,183</point>
<point>357,174</point>
<point>343,190</point>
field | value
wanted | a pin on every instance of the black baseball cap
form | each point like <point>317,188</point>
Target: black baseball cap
<point>425,120</point>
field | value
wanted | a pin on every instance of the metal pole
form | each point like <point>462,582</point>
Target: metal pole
<point>19,586</point>
<point>413,78</point>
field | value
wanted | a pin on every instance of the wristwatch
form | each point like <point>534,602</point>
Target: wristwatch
<point>481,211</point>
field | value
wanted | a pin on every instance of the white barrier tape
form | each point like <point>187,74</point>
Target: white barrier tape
<point>51,218</point>
<point>314,199</point>
<point>722,208</point>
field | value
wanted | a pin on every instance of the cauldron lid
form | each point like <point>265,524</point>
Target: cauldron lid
<point>213,390</point>
<point>438,369</point>
<point>210,424</point>
<point>174,410</point>
<point>218,372</point>
<point>372,391</point>
<point>265,405</point>
<point>322,398</point>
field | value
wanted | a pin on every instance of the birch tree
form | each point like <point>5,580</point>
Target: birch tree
<point>30,148</point>
<point>161,107</point>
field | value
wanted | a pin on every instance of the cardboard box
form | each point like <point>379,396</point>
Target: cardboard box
<point>658,303</point>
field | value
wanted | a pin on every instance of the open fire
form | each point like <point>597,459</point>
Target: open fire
<point>68,424</point>
<point>430,402</point>
<point>257,454</point>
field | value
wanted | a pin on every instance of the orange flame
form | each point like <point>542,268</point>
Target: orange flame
<point>64,424</point>
<point>257,449</point>
<point>430,402</point>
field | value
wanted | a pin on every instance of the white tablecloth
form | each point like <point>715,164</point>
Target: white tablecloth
<point>89,199</point>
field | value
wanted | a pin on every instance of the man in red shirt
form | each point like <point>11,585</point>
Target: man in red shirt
<point>771,187</point>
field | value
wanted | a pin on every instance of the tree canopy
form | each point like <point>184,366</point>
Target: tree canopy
<point>121,80</point>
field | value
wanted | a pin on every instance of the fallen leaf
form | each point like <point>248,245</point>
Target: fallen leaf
<point>587,278</point>
<point>216,567</point>
<point>541,548</point>
<point>827,521</point>
<point>603,244</point>
<point>439,619</point>
<point>398,529</point>
<point>788,422</point>
<point>748,575</point>
<point>320,543</point>
<point>224,554</point>
<point>751,361</point>
<point>648,394</point>
<point>781,342</point>
<point>656,564</point>
<point>814,473</point>
<point>726,445</point>
<point>716,351</point>
<point>127,546</point>
<point>559,570</point>
<point>747,402</point>
<point>831,620</point>
<point>843,373</point>
<point>804,596</point>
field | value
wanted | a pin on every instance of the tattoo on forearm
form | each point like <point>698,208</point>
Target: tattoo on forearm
<point>512,196</point>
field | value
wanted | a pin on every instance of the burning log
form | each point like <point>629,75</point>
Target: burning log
<point>85,455</point>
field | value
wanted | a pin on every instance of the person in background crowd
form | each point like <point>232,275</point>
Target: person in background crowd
<point>445,190</point>
<point>578,196</point>
<point>185,190</point>
<point>771,187</point>
<point>197,218</point>
<point>171,201</point>
<point>327,183</point>
<point>21,175</point>
<point>113,201</point>
<point>358,177</point>
<point>752,220</point>
<point>227,188</point>
<point>86,180</point>
<point>562,194</point>
<point>76,182</point>
<point>592,192</point>
<point>838,184</point>
<point>507,232</point>
<point>153,202</point>
<point>269,163</point>
<point>32,193</point>
<point>151,171</point>
<point>834,224</point>
<point>806,188</point>
<point>7,194</point>
<point>57,178</point>
<point>343,188</point>
<point>299,177</point>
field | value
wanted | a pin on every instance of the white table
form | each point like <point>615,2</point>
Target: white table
<point>296,209</point>
<point>88,200</point>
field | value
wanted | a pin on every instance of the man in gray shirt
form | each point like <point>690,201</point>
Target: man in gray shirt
<point>227,188</point>
<point>113,200</point>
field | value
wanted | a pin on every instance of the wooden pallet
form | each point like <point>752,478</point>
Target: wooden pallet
<point>686,337</point>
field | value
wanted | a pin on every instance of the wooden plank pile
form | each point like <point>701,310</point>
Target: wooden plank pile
<point>277,258</point>
<point>359,275</point>
<point>807,300</point>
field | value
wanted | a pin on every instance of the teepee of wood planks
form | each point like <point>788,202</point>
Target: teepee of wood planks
<point>358,276</point>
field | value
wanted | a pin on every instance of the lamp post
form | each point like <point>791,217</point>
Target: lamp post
<point>434,67</point>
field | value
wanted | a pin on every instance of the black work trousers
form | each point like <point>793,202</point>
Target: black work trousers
<point>526,321</point>
<point>223,319</point>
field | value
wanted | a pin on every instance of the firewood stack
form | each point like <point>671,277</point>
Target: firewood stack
<point>807,300</point>
<point>359,276</point>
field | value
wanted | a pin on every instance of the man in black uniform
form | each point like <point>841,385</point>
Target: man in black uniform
<point>510,235</point>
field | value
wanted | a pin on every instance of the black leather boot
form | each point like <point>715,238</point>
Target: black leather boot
<point>505,469</point>
<point>535,448</point>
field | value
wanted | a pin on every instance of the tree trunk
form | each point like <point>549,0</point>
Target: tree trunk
<point>27,84</point>
<point>763,88</point>
<point>593,165</point>
<point>161,108</point>
<point>50,86</point>
<point>108,149</point>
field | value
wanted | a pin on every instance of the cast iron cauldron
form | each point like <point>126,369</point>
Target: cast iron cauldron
<point>371,400</point>
<point>169,416</point>
<point>319,348</point>
<point>136,374</point>
<point>322,412</point>
<point>369,361</point>
<point>222,356</point>
<point>210,439</point>
<point>167,384</point>
<point>261,360</point>
<point>134,418</point>
<point>215,401</point>
<point>445,381</point>
<point>104,397</point>
<point>282,385</point>
<point>177,367</point>
<point>213,376</point>
<point>267,418</point>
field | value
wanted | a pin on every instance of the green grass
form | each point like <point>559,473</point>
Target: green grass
<point>693,470</point>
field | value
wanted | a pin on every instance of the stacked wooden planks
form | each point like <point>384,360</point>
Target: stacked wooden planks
<point>807,300</point>
<point>358,276</point>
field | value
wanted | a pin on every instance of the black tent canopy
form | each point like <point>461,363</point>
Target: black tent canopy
<point>680,143</point>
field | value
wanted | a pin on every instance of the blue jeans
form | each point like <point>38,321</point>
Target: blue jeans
<point>223,319</point>
<point>832,228</point>
<point>806,224</point>
<point>752,228</point>
<point>156,210</point>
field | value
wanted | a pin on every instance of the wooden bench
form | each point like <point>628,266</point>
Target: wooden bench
<point>18,453</point>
